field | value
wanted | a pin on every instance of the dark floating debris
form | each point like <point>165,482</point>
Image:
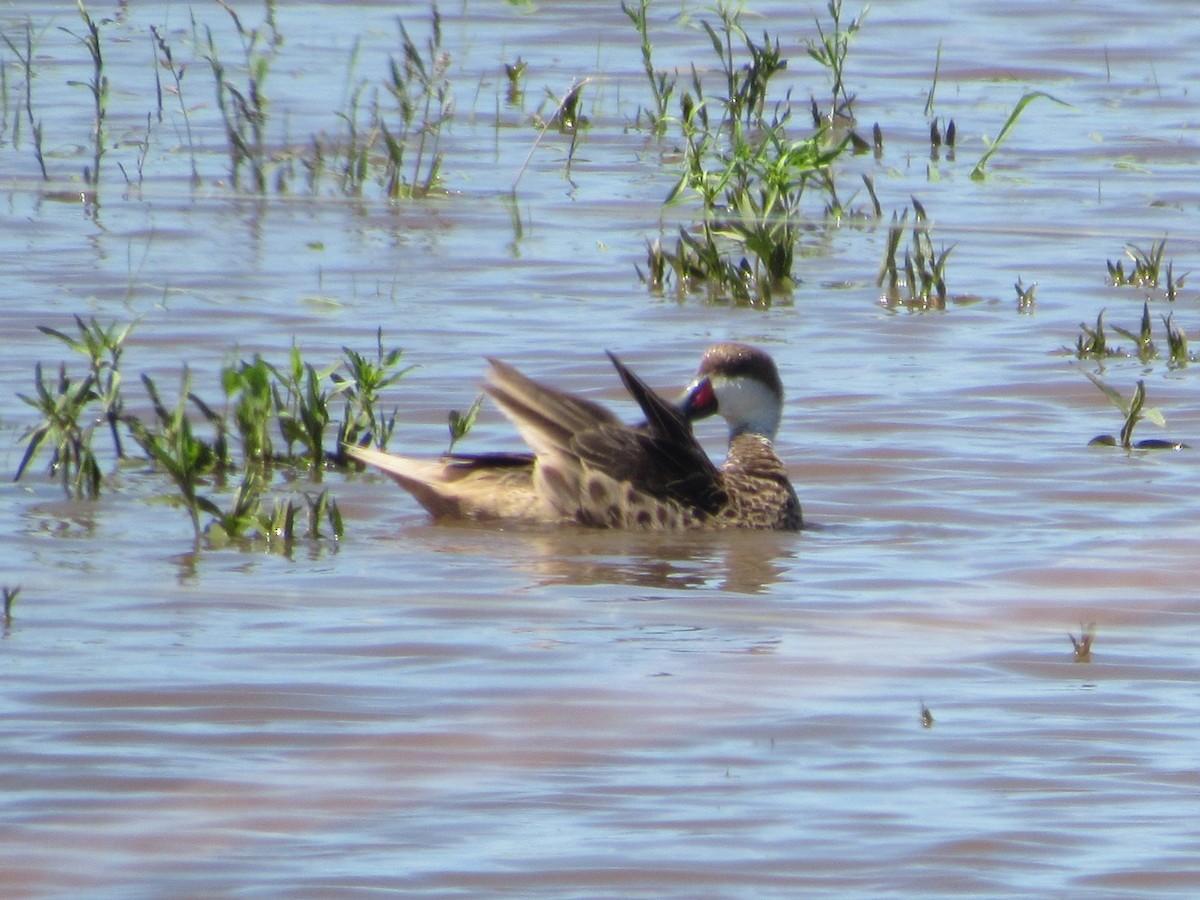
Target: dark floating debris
<point>926,716</point>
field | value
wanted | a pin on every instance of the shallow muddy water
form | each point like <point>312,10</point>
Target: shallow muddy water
<point>458,710</point>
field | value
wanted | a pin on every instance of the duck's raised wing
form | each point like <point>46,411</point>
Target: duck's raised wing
<point>661,458</point>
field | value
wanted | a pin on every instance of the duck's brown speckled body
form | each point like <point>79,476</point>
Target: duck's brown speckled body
<point>588,467</point>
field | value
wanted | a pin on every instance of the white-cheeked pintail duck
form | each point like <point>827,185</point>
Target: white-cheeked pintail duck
<point>588,467</point>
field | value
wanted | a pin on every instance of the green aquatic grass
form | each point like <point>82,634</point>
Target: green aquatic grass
<point>1026,296</point>
<point>1147,265</point>
<point>166,61</point>
<point>396,146</point>
<point>979,173</point>
<point>25,54</point>
<point>62,404</point>
<point>747,171</point>
<point>1093,342</point>
<point>361,387</point>
<point>9,596</point>
<point>460,423</point>
<point>420,90</point>
<point>295,402</point>
<point>662,83</point>
<point>301,407</point>
<point>937,69</point>
<point>1177,343</point>
<point>831,50</point>
<point>103,347</point>
<point>1143,339</point>
<point>1147,270</point>
<point>1135,411</point>
<point>173,447</point>
<point>98,87</point>
<point>746,83</point>
<point>250,392</point>
<point>515,73</point>
<point>565,119</point>
<point>244,106</point>
<point>919,283</point>
<point>66,406</point>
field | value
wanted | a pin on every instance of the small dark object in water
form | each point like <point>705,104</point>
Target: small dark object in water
<point>1107,440</point>
<point>1160,444</point>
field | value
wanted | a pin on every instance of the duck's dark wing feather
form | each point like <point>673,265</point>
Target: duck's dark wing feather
<point>662,458</point>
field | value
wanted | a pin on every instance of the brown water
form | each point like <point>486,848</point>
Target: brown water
<point>470,711</point>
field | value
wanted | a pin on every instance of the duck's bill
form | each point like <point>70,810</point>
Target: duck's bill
<point>699,400</point>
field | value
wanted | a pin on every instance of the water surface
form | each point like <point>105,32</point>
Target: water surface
<point>479,711</point>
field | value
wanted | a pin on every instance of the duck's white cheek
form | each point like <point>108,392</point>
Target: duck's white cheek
<point>748,405</point>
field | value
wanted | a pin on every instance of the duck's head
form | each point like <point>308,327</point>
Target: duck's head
<point>742,385</point>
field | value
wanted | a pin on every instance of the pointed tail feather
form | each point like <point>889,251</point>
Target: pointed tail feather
<point>491,486</point>
<point>424,479</point>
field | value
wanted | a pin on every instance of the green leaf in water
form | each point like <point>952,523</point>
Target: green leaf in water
<point>977,174</point>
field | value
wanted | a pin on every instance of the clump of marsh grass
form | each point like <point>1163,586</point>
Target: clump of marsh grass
<point>1177,343</point>
<point>244,107</point>
<point>745,169</point>
<point>103,347</point>
<point>397,144</point>
<point>831,49</point>
<point>1093,342</point>
<point>167,61</point>
<point>1143,339</point>
<point>1147,270</point>
<point>66,406</point>
<point>1146,266</point>
<point>250,393</point>
<point>419,85</point>
<point>920,282</point>
<point>174,449</point>
<point>937,140</point>
<point>566,118</point>
<point>662,83</point>
<point>261,400</point>
<point>362,420</point>
<point>248,520</point>
<point>62,404</point>
<point>98,87</point>
<point>24,55</point>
